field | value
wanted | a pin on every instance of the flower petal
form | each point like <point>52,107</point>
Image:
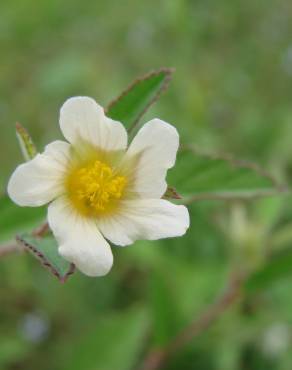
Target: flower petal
<point>39,181</point>
<point>155,146</point>
<point>82,118</point>
<point>149,219</point>
<point>79,240</point>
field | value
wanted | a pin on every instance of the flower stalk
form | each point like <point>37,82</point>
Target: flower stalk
<point>156,359</point>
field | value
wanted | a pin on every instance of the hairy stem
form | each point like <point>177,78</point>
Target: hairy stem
<point>9,247</point>
<point>13,246</point>
<point>41,230</point>
<point>156,359</point>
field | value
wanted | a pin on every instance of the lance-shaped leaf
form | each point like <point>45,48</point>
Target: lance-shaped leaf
<point>27,146</point>
<point>45,249</point>
<point>138,97</point>
<point>198,176</point>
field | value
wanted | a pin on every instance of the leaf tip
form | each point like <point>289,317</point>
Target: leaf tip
<point>171,193</point>
<point>27,146</point>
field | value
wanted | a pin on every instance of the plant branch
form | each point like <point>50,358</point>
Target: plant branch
<point>234,196</point>
<point>156,359</point>
<point>9,248</point>
<point>41,230</point>
<point>13,246</point>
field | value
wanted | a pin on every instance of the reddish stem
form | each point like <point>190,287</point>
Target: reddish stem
<point>156,359</point>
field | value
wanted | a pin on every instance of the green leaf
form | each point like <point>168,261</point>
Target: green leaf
<point>27,146</point>
<point>16,220</point>
<point>114,343</point>
<point>138,97</point>
<point>45,249</point>
<point>201,177</point>
<point>276,269</point>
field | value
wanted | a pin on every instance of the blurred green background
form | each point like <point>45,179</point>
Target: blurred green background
<point>231,92</point>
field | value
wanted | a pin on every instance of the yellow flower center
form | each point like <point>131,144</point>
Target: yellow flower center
<point>94,188</point>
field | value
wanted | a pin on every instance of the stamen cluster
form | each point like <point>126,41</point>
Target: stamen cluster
<point>95,186</point>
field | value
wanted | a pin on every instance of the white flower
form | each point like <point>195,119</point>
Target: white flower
<point>98,189</point>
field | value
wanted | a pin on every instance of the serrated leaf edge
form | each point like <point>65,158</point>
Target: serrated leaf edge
<point>42,258</point>
<point>168,75</point>
<point>235,163</point>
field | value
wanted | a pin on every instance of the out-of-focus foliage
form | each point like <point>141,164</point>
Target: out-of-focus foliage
<point>231,92</point>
